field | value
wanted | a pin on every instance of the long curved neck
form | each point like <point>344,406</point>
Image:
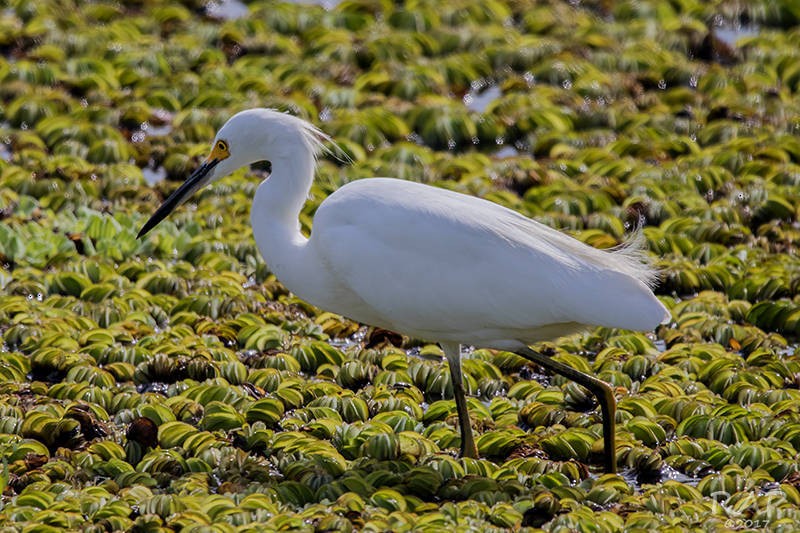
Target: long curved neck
<point>280,197</point>
<point>276,228</point>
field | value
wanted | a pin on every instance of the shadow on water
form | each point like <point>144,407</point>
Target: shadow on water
<point>632,477</point>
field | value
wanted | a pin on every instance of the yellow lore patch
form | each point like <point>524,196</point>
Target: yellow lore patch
<point>219,152</point>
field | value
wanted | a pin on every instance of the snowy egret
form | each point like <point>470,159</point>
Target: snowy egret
<point>428,262</point>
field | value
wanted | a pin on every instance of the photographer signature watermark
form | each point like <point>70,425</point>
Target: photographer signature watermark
<point>747,506</point>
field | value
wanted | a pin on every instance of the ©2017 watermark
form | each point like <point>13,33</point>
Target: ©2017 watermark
<point>747,506</point>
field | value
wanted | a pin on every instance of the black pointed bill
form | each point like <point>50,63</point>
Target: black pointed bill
<point>181,194</point>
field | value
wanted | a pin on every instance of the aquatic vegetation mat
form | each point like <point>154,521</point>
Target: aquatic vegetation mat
<point>172,383</point>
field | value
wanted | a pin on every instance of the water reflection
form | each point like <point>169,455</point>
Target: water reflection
<point>730,34</point>
<point>226,9</point>
<point>154,175</point>
<point>327,4</point>
<point>505,152</point>
<point>481,95</point>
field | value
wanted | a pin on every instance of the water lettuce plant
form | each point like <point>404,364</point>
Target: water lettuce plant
<point>172,383</point>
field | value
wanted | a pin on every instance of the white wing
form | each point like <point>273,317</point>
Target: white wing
<point>445,266</point>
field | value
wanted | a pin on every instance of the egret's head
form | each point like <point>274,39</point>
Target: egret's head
<point>206,173</point>
<point>248,137</point>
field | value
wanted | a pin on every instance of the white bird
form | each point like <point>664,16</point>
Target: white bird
<point>427,262</point>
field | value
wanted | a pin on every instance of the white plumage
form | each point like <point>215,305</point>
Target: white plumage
<point>444,266</point>
<point>421,260</point>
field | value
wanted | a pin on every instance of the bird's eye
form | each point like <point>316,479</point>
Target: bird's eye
<point>221,146</point>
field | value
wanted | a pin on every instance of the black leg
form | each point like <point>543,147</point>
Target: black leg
<point>452,352</point>
<point>600,389</point>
